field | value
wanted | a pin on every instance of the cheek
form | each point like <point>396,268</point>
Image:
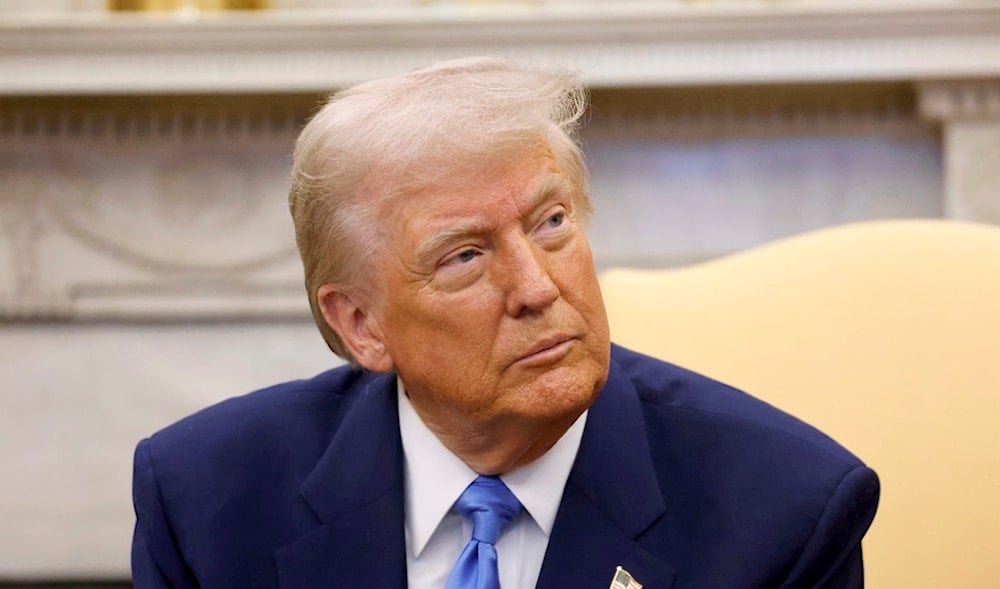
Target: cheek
<point>448,328</point>
<point>583,291</point>
<point>577,274</point>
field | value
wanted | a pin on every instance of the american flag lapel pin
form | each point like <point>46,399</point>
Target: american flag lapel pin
<point>623,580</point>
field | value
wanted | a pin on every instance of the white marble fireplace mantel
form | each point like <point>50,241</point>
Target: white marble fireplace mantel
<point>612,43</point>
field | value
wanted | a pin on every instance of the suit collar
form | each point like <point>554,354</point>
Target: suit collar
<point>612,497</point>
<point>356,492</point>
<point>364,459</point>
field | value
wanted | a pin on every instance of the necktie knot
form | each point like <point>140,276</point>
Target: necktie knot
<point>490,506</point>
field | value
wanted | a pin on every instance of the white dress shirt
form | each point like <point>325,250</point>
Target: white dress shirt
<point>436,534</point>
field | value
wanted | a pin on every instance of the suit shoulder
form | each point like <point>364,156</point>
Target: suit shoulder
<point>301,413</point>
<point>746,482</point>
<point>680,395</point>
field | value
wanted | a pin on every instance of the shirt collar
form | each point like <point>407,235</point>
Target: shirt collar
<point>435,477</point>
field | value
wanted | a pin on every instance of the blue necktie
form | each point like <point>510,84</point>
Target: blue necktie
<point>490,506</point>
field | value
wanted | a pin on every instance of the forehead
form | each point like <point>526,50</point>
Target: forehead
<point>505,188</point>
<point>516,182</point>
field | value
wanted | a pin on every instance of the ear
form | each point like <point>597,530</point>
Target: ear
<point>350,318</point>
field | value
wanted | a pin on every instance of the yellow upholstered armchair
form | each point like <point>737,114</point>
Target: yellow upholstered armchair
<point>886,335</point>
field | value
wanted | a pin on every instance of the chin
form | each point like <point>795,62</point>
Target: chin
<point>561,393</point>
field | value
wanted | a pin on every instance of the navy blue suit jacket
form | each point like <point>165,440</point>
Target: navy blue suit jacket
<point>683,481</point>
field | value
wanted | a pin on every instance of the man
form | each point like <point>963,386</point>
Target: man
<point>440,215</point>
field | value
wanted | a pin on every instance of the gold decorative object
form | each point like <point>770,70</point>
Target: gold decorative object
<point>198,5</point>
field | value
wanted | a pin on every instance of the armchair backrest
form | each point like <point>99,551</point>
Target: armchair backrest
<point>885,335</point>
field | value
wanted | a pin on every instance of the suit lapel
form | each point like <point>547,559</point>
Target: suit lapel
<point>356,492</point>
<point>611,497</point>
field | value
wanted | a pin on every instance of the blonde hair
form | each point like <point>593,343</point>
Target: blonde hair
<point>386,138</point>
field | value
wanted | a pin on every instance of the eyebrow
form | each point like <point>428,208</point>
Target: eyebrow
<point>549,185</point>
<point>429,246</point>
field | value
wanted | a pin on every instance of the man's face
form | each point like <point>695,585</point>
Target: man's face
<point>488,302</point>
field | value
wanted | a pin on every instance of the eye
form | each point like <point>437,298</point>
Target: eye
<point>555,223</point>
<point>466,256</point>
<point>463,257</point>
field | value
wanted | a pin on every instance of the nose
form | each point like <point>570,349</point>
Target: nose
<point>529,276</point>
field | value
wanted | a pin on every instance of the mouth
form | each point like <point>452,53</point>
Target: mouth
<point>547,351</point>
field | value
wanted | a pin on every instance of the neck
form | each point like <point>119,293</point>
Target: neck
<point>498,448</point>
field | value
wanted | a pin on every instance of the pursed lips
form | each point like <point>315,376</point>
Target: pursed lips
<point>548,346</point>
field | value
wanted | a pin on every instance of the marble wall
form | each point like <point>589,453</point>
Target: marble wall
<point>147,268</point>
<point>680,177</point>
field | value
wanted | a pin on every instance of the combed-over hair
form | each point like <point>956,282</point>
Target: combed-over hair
<point>386,138</point>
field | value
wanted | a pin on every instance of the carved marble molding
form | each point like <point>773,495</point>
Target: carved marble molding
<point>969,112</point>
<point>154,118</point>
<point>754,111</point>
<point>152,212</point>
<point>173,208</point>
<point>972,170</point>
<point>960,99</point>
